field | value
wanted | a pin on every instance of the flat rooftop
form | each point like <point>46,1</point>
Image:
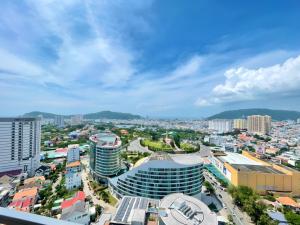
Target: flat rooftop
<point>256,168</point>
<point>185,159</point>
<point>235,158</point>
<point>129,205</point>
<point>179,209</point>
<point>106,140</point>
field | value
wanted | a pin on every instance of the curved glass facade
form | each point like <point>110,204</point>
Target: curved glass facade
<point>153,180</point>
<point>105,159</point>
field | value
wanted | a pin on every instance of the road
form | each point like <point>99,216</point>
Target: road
<point>107,208</point>
<point>204,151</point>
<point>56,183</point>
<point>136,146</point>
<point>239,217</point>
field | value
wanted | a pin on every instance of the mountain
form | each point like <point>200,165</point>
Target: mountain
<point>242,113</point>
<point>97,115</point>
<point>111,115</point>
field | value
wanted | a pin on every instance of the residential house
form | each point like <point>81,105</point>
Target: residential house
<point>76,209</point>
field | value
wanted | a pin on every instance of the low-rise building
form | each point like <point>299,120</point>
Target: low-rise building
<point>173,209</point>
<point>34,182</point>
<point>288,202</point>
<point>4,197</point>
<point>25,199</point>
<point>76,209</point>
<point>43,170</point>
<point>247,170</point>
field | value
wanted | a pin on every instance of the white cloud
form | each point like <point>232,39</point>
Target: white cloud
<point>242,84</point>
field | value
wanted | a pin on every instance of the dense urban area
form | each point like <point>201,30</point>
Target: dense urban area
<point>146,171</point>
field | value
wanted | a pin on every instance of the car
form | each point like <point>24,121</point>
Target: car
<point>220,195</point>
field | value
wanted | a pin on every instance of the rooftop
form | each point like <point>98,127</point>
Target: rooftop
<point>178,209</point>
<point>106,140</point>
<point>287,201</point>
<point>132,208</point>
<point>79,196</point>
<point>235,158</point>
<point>73,164</point>
<point>256,168</point>
<point>34,179</point>
<point>29,192</point>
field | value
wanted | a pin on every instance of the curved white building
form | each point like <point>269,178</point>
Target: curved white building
<point>160,175</point>
<point>180,209</point>
<point>105,158</point>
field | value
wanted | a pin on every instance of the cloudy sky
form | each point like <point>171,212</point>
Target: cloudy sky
<point>153,58</point>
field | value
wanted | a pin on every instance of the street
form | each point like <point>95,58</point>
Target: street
<point>239,217</point>
<point>107,208</point>
<point>136,146</point>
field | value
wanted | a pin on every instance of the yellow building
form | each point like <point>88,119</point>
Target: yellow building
<point>240,124</point>
<point>258,124</point>
<point>260,175</point>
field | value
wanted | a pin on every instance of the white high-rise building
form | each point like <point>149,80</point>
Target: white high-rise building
<point>59,121</point>
<point>76,120</point>
<point>258,124</point>
<point>20,143</point>
<point>240,124</point>
<point>73,153</point>
<point>220,125</point>
<point>298,120</point>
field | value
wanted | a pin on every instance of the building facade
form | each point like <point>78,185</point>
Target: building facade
<point>105,158</point>
<point>160,175</point>
<point>76,120</point>
<point>73,153</point>
<point>258,124</point>
<point>59,121</point>
<point>73,180</point>
<point>247,170</point>
<point>20,143</point>
<point>73,175</point>
<point>220,125</point>
<point>240,124</point>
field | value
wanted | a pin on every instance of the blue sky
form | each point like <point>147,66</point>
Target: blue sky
<point>153,58</point>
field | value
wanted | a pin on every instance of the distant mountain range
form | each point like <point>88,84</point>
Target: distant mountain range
<point>243,113</point>
<point>97,115</point>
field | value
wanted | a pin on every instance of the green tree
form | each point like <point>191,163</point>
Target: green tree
<point>209,187</point>
<point>292,218</point>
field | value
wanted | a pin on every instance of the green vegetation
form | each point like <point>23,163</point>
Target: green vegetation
<point>156,145</point>
<point>212,207</point>
<point>291,217</point>
<point>209,187</point>
<point>133,157</point>
<point>245,198</point>
<point>189,148</point>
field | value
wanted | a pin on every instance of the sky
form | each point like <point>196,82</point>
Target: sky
<point>165,59</point>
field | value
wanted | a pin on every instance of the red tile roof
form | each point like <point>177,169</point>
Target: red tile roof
<point>80,196</point>
<point>73,164</point>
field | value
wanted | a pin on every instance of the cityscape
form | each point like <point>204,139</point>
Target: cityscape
<point>149,112</point>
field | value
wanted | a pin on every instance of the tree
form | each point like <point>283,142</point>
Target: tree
<point>266,220</point>
<point>98,210</point>
<point>209,187</point>
<point>176,139</point>
<point>292,218</point>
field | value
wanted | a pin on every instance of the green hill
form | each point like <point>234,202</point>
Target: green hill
<point>97,115</point>
<point>242,113</point>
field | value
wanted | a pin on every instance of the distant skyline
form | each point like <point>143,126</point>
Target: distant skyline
<point>163,59</point>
